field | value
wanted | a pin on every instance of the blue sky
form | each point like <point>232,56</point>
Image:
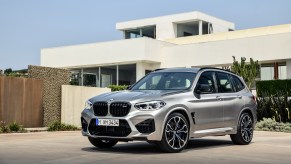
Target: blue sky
<point>27,26</point>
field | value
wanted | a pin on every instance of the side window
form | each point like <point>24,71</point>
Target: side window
<point>223,82</point>
<point>206,82</point>
<point>238,83</point>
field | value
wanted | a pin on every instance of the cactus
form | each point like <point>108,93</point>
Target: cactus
<point>249,71</point>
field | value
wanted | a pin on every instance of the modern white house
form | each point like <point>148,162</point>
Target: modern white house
<point>191,39</point>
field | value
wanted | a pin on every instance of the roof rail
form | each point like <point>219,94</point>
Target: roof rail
<point>159,69</point>
<point>217,69</point>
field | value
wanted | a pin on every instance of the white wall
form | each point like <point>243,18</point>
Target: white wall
<point>266,48</point>
<point>96,54</point>
<point>141,67</point>
<point>73,102</point>
<point>165,28</point>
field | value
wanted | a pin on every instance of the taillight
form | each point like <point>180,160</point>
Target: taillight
<point>254,98</point>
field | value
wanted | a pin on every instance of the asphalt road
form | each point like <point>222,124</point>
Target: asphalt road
<point>72,148</point>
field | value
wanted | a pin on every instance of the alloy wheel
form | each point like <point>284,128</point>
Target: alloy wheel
<point>246,128</point>
<point>176,132</point>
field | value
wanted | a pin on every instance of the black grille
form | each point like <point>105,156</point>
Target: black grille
<point>119,109</point>
<point>84,124</point>
<point>122,130</point>
<point>100,108</point>
<point>147,126</point>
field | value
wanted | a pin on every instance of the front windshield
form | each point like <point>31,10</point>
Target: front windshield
<point>166,81</point>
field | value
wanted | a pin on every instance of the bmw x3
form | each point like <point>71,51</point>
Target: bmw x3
<point>168,107</point>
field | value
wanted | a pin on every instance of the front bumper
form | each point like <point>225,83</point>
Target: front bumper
<point>137,125</point>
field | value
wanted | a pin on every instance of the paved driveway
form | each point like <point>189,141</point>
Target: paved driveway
<point>72,148</point>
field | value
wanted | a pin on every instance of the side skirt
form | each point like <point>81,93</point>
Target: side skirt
<point>214,132</point>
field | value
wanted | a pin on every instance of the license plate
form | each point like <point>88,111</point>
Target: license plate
<point>107,122</point>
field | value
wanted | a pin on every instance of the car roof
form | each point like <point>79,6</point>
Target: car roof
<point>194,70</point>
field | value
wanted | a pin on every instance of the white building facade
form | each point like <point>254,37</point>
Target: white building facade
<point>182,40</point>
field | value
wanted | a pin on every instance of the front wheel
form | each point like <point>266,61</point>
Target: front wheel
<point>175,135</point>
<point>101,143</point>
<point>244,130</point>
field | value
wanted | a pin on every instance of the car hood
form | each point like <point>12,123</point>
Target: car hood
<point>133,95</point>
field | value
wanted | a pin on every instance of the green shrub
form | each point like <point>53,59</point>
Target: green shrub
<point>15,127</point>
<point>3,127</point>
<point>118,87</point>
<point>274,100</point>
<point>268,124</point>
<point>58,126</point>
<point>273,87</point>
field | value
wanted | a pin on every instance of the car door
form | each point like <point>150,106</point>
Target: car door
<point>207,107</point>
<point>232,98</point>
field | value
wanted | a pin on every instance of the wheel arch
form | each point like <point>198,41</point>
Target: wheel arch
<point>182,111</point>
<point>246,110</point>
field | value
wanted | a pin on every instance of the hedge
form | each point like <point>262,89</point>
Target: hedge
<point>118,87</point>
<point>273,87</point>
<point>273,99</point>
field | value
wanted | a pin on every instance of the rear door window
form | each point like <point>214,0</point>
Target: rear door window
<point>223,82</point>
<point>238,84</point>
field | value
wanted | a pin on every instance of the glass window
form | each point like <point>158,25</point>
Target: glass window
<point>267,73</point>
<point>223,83</point>
<point>166,81</point>
<point>238,84</point>
<point>282,71</point>
<point>207,79</point>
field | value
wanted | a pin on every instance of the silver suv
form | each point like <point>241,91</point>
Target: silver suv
<point>170,106</point>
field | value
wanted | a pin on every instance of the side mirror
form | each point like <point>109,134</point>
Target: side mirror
<point>203,88</point>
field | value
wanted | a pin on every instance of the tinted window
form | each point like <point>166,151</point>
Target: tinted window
<point>207,78</point>
<point>238,84</point>
<point>223,82</point>
<point>166,81</point>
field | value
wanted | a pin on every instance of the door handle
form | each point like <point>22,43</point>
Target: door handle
<point>238,96</point>
<point>218,98</point>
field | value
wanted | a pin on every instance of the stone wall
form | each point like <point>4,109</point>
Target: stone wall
<point>53,79</point>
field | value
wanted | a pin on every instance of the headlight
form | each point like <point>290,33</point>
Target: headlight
<point>150,105</point>
<point>88,105</point>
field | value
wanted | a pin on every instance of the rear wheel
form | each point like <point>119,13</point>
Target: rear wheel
<point>175,135</point>
<point>101,143</point>
<point>244,130</point>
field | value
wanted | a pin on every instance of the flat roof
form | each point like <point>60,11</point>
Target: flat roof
<point>286,28</point>
<point>173,18</point>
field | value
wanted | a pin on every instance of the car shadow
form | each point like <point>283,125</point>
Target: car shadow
<point>146,148</point>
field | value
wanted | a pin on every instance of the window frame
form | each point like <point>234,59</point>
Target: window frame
<point>230,80</point>
<point>214,81</point>
<point>234,83</point>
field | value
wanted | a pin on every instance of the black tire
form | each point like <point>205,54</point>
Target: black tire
<point>153,142</point>
<point>101,143</point>
<point>175,135</point>
<point>245,129</point>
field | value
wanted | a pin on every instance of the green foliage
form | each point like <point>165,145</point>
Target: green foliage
<point>268,124</point>
<point>3,127</point>
<point>13,127</point>
<point>58,126</point>
<point>274,100</point>
<point>249,72</point>
<point>118,87</point>
<point>273,87</point>
<point>19,73</point>
<point>7,71</point>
